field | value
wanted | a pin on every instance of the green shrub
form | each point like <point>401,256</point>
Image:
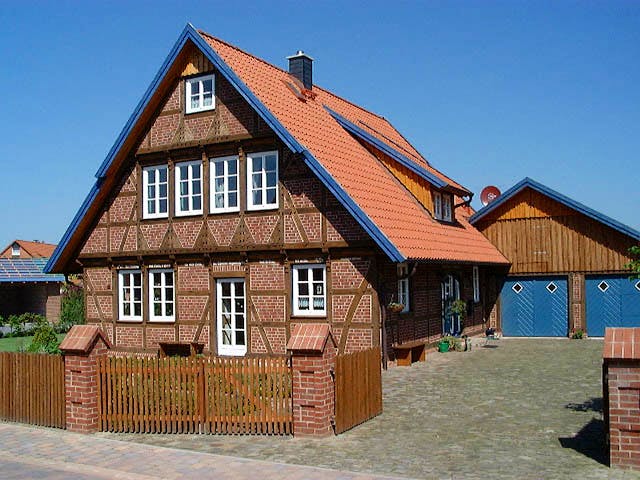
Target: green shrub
<point>17,327</point>
<point>577,335</point>
<point>44,340</point>
<point>72,308</point>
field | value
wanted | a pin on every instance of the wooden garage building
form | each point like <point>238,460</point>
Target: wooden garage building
<point>568,264</point>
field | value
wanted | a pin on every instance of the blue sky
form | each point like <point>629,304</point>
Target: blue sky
<point>490,92</point>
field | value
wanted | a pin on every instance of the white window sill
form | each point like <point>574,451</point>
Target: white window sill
<point>130,320</point>
<point>198,110</point>
<point>189,213</point>
<point>257,208</point>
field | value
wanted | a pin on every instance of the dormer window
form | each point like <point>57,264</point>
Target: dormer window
<point>15,250</point>
<point>200,93</point>
<point>442,206</point>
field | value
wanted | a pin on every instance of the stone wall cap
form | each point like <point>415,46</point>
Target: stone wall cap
<point>82,338</point>
<point>622,344</point>
<point>310,337</point>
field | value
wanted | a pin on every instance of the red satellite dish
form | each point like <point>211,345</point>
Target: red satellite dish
<point>489,194</point>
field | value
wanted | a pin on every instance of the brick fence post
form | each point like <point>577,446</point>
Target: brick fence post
<point>313,360</point>
<point>82,347</point>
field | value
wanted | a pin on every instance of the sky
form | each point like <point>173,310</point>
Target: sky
<point>488,91</point>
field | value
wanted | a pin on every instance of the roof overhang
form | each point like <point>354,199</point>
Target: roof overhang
<point>558,197</point>
<point>190,34</point>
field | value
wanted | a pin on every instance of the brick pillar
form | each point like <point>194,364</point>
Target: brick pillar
<point>81,348</point>
<point>313,360</point>
<point>622,396</point>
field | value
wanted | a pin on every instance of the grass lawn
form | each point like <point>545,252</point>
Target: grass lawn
<point>17,343</point>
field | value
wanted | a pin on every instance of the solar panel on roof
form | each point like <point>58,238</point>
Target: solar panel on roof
<point>26,270</point>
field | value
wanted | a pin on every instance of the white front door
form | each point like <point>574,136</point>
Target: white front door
<point>231,316</point>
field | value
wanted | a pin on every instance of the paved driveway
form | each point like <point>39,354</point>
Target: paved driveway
<point>525,409</point>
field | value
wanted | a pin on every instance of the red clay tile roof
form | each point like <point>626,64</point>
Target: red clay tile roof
<point>309,337</point>
<point>384,200</point>
<point>622,344</point>
<point>82,337</point>
<point>34,249</point>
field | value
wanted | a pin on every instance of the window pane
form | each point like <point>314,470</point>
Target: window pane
<point>137,309</point>
<point>126,309</point>
<point>137,279</point>
<point>226,289</point>
<point>233,166</point>
<point>184,174</point>
<point>157,309</point>
<point>318,274</point>
<point>257,197</point>
<point>233,183</point>
<point>125,279</point>
<point>169,309</point>
<point>318,289</point>
<point>219,169</point>
<point>303,274</point>
<point>151,206</point>
<point>303,303</point>
<point>156,279</point>
<point>195,102</point>
<point>270,162</point>
<point>195,87</point>
<point>218,185</point>
<point>271,196</point>
<point>226,321</point>
<point>271,179</point>
<point>303,289</point>
<point>163,174</point>
<point>208,85</point>
<point>197,202</point>
<point>226,305</point>
<point>256,180</point>
<point>239,338</point>
<point>233,200</point>
<point>196,187</point>
<point>219,200</point>
<point>151,191</point>
<point>163,206</point>
<point>184,204</point>
<point>239,322</point>
<point>226,337</point>
<point>238,289</point>
<point>240,306</point>
<point>257,164</point>
<point>208,100</point>
<point>318,303</point>
<point>151,176</point>
<point>137,294</point>
<point>163,190</point>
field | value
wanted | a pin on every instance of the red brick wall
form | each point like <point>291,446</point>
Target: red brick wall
<point>624,413</point>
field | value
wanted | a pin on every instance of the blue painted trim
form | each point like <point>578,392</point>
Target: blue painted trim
<point>391,152</point>
<point>543,189</point>
<point>44,279</point>
<point>190,33</point>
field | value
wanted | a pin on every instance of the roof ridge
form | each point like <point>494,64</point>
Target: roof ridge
<point>235,47</point>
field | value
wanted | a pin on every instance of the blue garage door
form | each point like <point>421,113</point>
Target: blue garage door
<point>612,301</point>
<point>535,307</point>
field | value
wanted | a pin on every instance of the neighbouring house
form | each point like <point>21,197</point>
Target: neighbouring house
<point>241,199</point>
<point>27,249</point>
<point>568,264</point>
<point>24,287</point>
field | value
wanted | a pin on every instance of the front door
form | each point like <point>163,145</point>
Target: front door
<point>450,288</point>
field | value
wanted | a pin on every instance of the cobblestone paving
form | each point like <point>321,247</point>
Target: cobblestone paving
<point>29,452</point>
<point>525,409</point>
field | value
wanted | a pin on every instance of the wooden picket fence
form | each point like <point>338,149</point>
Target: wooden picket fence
<point>358,388</point>
<point>32,389</point>
<point>195,395</point>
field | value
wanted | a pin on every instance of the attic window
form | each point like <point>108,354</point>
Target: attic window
<point>200,93</point>
<point>15,250</point>
<point>442,206</point>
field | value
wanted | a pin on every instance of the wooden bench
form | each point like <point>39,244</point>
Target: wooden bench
<point>180,349</point>
<point>409,352</point>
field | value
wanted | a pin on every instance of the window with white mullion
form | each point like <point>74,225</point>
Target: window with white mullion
<point>403,293</point>
<point>231,316</point>
<point>188,180</point>
<point>155,192</point>
<point>200,95</point>
<point>446,208</point>
<point>309,285</point>
<point>437,205</point>
<point>161,295</point>
<point>262,181</point>
<point>130,295</point>
<point>224,184</point>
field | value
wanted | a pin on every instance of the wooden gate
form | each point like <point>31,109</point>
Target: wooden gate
<point>195,395</point>
<point>32,389</point>
<point>358,388</point>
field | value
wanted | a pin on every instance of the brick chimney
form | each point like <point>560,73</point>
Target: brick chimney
<point>301,67</point>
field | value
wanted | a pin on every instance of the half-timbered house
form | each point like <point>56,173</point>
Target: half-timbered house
<point>240,199</point>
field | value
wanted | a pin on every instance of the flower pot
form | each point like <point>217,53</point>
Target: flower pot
<point>443,347</point>
<point>395,308</point>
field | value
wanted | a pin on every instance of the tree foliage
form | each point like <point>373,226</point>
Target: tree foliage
<point>634,265</point>
<point>72,308</point>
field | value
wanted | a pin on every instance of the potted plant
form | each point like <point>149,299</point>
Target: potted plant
<point>395,307</point>
<point>449,343</point>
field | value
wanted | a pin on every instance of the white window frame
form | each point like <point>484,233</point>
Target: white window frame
<point>164,300</point>
<point>15,250</point>
<point>201,106</point>
<point>121,295</point>
<point>403,286</point>
<point>225,184</point>
<point>437,205</point>
<point>295,279</point>
<point>251,157</point>
<point>156,183</point>
<point>476,285</point>
<point>234,349</point>
<point>190,182</point>
<point>447,207</point>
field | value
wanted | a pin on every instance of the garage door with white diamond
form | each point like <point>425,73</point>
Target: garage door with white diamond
<point>612,301</point>
<point>535,307</point>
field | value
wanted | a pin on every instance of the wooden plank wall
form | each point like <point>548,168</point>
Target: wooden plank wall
<point>559,244</point>
<point>32,389</point>
<point>358,388</point>
<point>195,395</point>
<point>419,187</point>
